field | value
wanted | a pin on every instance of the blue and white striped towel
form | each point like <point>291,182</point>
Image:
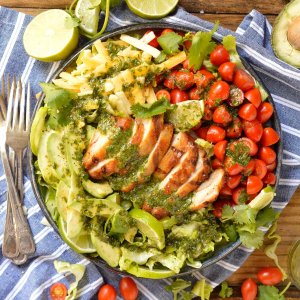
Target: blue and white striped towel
<point>32,280</point>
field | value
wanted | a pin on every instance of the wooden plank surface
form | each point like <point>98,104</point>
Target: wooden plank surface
<point>230,13</point>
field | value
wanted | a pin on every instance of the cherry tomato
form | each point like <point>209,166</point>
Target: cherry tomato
<point>271,167</point>
<point>239,195</point>
<point>163,94</point>
<point>248,112</point>
<point>233,181</point>
<point>218,92</point>
<point>194,94</point>
<point>232,168</point>
<point>235,129</point>
<point>208,114</point>
<point>128,288</point>
<point>269,137</point>
<point>254,96</point>
<point>169,82</point>
<point>159,78</point>
<point>154,43</point>
<point>186,65</point>
<point>216,164</point>
<point>202,132</point>
<point>227,70</point>
<point>107,292</point>
<point>187,44</point>
<point>220,149</point>
<point>250,167</point>
<point>243,80</point>
<point>254,185</point>
<point>167,30</point>
<point>218,206</point>
<point>221,115</point>
<point>253,130</point>
<point>236,96</point>
<point>226,190</point>
<point>58,291</point>
<point>250,144</point>
<point>270,178</point>
<point>219,55</point>
<point>267,154</point>
<point>178,96</point>
<point>269,276</point>
<point>184,79</point>
<point>215,134</point>
<point>203,78</point>
<point>264,112</point>
<point>260,169</point>
<point>249,289</point>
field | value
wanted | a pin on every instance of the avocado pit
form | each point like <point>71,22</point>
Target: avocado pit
<point>293,33</point>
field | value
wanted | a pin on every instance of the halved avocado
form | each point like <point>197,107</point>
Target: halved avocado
<point>286,34</point>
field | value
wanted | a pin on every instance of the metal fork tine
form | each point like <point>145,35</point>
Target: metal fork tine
<point>22,108</point>
<point>2,103</point>
<point>28,107</point>
<point>10,103</point>
<point>16,104</point>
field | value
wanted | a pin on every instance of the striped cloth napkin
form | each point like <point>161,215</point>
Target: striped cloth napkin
<point>32,280</point>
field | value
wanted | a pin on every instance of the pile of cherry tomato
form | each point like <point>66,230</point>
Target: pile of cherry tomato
<point>234,120</point>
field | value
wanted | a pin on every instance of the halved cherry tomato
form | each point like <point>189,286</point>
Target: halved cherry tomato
<point>178,96</point>
<point>235,129</point>
<point>202,132</point>
<point>163,94</point>
<point>254,96</point>
<point>218,92</point>
<point>239,195</point>
<point>128,288</point>
<point>260,169</point>
<point>154,43</point>
<point>107,292</point>
<point>221,115</point>
<point>243,80</point>
<point>167,30</point>
<point>232,168</point>
<point>249,289</point>
<point>264,112</point>
<point>215,134</point>
<point>186,65</point>
<point>248,112</point>
<point>219,55</point>
<point>184,79</point>
<point>267,154</point>
<point>218,206</point>
<point>250,167</point>
<point>269,276</point>
<point>194,94</point>
<point>216,164</point>
<point>169,82</point>
<point>203,78</point>
<point>269,137</point>
<point>236,96</point>
<point>271,167</point>
<point>226,190</point>
<point>159,78</point>
<point>253,130</point>
<point>254,185</point>
<point>58,291</point>
<point>220,149</point>
<point>208,114</point>
<point>270,178</point>
<point>187,44</point>
<point>250,144</point>
<point>227,70</point>
<point>233,181</point>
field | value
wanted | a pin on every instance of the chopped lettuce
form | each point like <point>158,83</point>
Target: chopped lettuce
<point>170,261</point>
<point>202,290</point>
<point>226,291</point>
<point>177,286</point>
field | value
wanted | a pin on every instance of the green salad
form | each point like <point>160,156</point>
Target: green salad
<point>122,163</point>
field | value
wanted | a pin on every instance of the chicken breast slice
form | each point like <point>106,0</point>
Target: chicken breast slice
<point>106,167</point>
<point>209,190</point>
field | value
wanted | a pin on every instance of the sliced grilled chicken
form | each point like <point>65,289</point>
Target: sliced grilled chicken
<point>106,167</point>
<point>209,190</point>
<point>200,174</point>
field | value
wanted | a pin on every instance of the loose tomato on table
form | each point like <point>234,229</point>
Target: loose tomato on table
<point>253,130</point>
<point>215,134</point>
<point>163,94</point>
<point>184,79</point>
<point>254,185</point>
<point>260,168</point>
<point>236,96</point>
<point>218,92</point>
<point>219,55</point>
<point>235,129</point>
<point>269,137</point>
<point>264,112</point>
<point>267,154</point>
<point>249,289</point>
<point>269,276</point>
<point>254,97</point>
<point>128,288</point>
<point>243,80</point>
<point>203,78</point>
<point>226,70</point>
<point>220,150</point>
<point>248,112</point>
<point>233,181</point>
<point>58,291</point>
<point>270,178</point>
<point>107,292</point>
<point>221,115</point>
<point>194,94</point>
<point>178,95</point>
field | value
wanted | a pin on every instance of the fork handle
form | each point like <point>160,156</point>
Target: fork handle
<point>19,174</point>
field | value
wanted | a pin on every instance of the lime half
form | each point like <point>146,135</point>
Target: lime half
<point>49,37</point>
<point>88,16</point>
<point>139,271</point>
<point>151,9</point>
<point>81,243</point>
<point>150,227</point>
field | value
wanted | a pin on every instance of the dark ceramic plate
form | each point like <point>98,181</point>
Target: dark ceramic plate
<point>274,122</point>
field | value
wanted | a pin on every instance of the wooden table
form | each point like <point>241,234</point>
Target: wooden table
<point>230,13</point>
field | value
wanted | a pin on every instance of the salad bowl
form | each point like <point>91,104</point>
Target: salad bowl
<point>220,252</point>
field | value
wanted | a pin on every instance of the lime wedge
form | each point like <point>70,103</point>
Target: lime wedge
<point>263,199</point>
<point>150,227</point>
<point>50,37</point>
<point>88,16</point>
<point>153,9</point>
<point>81,243</point>
<point>147,273</point>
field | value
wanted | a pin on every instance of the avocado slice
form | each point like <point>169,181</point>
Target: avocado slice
<point>98,190</point>
<point>61,198</point>
<point>285,35</point>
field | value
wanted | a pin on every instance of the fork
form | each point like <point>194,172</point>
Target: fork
<point>17,133</point>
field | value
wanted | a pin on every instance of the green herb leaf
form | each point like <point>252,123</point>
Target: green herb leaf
<point>202,45</point>
<point>227,213</point>
<point>226,291</point>
<point>251,240</point>
<point>244,214</point>
<point>239,152</point>
<point>202,290</point>
<point>229,42</point>
<point>113,3</point>
<point>177,286</point>
<point>269,293</point>
<point>147,111</point>
<point>185,295</point>
<point>170,42</point>
<point>266,216</point>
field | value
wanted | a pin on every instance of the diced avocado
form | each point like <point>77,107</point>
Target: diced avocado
<point>98,190</point>
<point>37,128</point>
<point>285,34</point>
<point>115,198</point>
<point>74,222</point>
<point>61,197</point>
<point>50,202</point>
<point>106,251</point>
<point>186,115</point>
